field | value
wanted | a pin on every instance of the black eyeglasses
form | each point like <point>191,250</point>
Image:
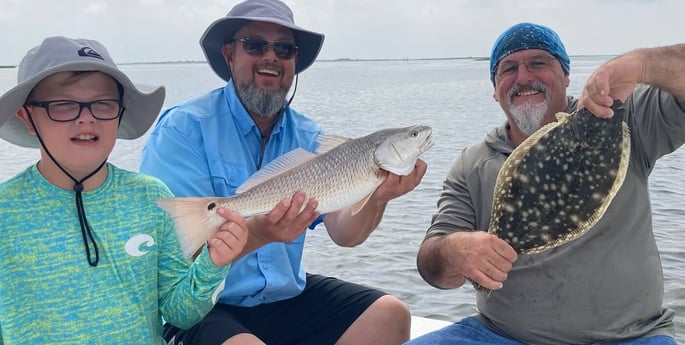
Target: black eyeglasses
<point>256,46</point>
<point>65,110</point>
<point>534,64</point>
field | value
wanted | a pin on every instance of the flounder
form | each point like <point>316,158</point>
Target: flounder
<point>558,183</point>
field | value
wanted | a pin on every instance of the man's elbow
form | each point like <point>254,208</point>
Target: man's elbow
<point>349,240</point>
<point>433,268</point>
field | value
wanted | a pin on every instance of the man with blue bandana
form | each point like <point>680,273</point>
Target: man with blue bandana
<point>605,287</point>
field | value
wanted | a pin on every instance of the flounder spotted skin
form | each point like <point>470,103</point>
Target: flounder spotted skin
<point>559,182</point>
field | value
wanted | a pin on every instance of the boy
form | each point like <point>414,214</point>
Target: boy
<point>87,255</point>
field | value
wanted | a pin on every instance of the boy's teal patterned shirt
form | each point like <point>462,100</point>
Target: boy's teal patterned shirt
<point>50,294</point>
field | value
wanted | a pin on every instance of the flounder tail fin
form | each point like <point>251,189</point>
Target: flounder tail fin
<point>194,222</point>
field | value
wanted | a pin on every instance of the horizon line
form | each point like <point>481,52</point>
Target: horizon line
<point>477,58</point>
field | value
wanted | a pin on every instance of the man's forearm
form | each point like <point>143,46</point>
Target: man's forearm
<point>347,230</point>
<point>664,67</point>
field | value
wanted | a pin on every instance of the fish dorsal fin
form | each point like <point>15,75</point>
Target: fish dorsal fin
<point>329,142</point>
<point>277,167</point>
<point>562,116</point>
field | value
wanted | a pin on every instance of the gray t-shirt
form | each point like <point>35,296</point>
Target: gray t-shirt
<point>606,285</point>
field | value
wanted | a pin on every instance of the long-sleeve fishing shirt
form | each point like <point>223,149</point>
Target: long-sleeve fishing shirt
<point>49,294</point>
<point>607,284</point>
<point>209,146</point>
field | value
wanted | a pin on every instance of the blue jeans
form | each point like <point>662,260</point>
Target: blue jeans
<point>470,331</point>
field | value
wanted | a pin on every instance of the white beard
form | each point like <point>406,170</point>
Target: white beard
<point>529,115</point>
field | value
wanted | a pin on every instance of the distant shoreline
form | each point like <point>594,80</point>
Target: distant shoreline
<point>475,58</point>
<point>318,60</point>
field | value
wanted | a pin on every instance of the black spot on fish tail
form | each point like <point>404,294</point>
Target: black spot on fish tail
<point>211,206</point>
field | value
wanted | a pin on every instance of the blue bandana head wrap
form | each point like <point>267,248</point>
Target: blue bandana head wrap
<point>524,36</point>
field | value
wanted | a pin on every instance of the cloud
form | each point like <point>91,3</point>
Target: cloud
<point>95,7</point>
<point>169,30</point>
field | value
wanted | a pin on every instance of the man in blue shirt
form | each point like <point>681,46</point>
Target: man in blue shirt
<point>210,145</point>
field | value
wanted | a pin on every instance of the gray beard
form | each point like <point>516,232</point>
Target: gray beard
<point>264,104</point>
<point>529,116</point>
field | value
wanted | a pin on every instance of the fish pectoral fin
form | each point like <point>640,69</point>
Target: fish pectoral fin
<point>192,223</point>
<point>277,167</point>
<point>329,142</point>
<point>360,204</point>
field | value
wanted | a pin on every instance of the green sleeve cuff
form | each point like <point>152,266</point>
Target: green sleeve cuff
<point>208,267</point>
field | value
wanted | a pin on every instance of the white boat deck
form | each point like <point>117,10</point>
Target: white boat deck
<point>422,325</point>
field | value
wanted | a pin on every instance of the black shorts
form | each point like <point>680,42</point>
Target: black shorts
<point>318,316</point>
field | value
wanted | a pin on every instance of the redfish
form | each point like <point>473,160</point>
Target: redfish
<point>344,172</point>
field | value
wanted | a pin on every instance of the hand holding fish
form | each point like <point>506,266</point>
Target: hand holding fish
<point>227,243</point>
<point>288,220</point>
<point>397,185</point>
<point>479,256</point>
<point>615,79</point>
<point>661,67</point>
<point>483,257</point>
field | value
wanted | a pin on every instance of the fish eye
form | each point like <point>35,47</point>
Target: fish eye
<point>414,134</point>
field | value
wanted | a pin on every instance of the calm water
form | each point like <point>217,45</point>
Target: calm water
<point>355,98</point>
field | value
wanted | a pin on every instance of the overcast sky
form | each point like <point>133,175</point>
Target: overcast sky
<point>169,30</point>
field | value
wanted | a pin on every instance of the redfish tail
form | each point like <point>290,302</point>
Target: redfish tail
<point>194,222</point>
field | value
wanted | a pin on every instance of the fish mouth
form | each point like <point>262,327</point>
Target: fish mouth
<point>428,143</point>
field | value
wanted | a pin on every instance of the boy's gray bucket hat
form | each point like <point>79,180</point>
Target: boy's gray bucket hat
<point>142,103</point>
<point>272,11</point>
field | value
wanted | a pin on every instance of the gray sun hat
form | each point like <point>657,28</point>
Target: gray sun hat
<point>142,103</point>
<point>271,11</point>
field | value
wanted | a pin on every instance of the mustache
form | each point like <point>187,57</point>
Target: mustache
<point>534,86</point>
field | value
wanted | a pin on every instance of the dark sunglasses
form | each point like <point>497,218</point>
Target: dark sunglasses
<point>256,46</point>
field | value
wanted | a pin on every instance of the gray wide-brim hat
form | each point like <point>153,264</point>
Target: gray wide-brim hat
<point>272,11</point>
<point>142,103</point>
